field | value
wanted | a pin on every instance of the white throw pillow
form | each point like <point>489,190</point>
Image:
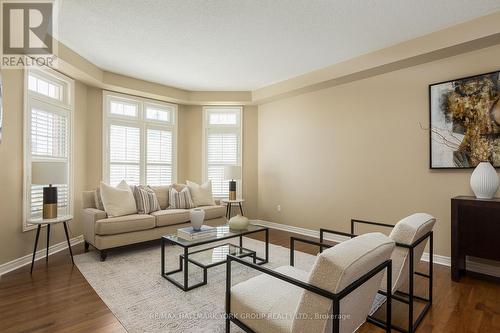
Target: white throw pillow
<point>119,200</point>
<point>201,194</point>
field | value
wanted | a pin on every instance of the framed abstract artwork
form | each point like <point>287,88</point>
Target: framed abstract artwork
<point>465,122</point>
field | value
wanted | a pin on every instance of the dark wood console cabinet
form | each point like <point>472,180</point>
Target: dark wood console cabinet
<point>475,231</point>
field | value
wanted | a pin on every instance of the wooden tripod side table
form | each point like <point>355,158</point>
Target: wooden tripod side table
<point>61,219</point>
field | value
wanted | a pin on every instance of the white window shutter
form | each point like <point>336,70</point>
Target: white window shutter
<point>159,157</point>
<point>49,141</point>
<point>222,145</point>
<point>124,154</point>
<point>141,147</point>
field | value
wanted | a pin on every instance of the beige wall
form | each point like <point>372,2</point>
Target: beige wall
<point>94,137</point>
<point>14,242</point>
<point>357,151</point>
<point>250,160</point>
<point>189,147</point>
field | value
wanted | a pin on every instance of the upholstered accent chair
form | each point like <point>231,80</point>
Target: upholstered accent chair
<point>411,235</point>
<point>335,296</point>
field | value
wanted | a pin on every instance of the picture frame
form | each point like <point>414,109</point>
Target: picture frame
<point>464,122</point>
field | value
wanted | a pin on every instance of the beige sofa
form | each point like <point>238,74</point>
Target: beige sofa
<point>105,232</point>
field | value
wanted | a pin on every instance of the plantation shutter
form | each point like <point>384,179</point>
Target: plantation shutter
<point>222,150</point>
<point>124,154</point>
<point>159,156</point>
<point>141,137</point>
<point>49,141</point>
<point>222,145</point>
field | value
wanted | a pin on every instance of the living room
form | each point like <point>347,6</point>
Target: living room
<point>258,166</point>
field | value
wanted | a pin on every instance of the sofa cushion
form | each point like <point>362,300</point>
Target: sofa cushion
<point>180,199</point>
<point>201,194</point>
<point>170,216</point>
<point>88,199</point>
<point>121,224</point>
<point>252,307</point>
<point>119,200</point>
<point>145,199</point>
<point>213,212</point>
<point>162,195</point>
<point>178,187</point>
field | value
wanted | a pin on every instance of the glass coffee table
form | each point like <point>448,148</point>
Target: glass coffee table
<point>210,256</point>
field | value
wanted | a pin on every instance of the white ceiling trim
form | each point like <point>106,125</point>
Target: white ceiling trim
<point>245,44</point>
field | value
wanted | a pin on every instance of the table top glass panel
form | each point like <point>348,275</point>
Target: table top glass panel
<point>218,254</point>
<point>223,232</point>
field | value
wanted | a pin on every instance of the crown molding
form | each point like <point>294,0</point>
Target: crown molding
<point>469,36</point>
<point>475,34</point>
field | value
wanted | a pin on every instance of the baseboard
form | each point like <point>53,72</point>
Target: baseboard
<point>26,260</point>
<point>299,230</point>
<point>472,265</point>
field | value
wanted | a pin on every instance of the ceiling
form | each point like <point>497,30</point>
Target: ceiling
<point>245,44</point>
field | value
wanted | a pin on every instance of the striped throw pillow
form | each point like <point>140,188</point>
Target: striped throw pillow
<point>146,200</point>
<point>180,199</point>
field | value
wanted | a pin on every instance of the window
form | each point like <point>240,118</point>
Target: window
<point>222,146</point>
<point>140,140</point>
<point>48,136</point>
<point>48,87</point>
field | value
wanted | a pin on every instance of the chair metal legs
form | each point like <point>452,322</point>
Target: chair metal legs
<point>410,297</point>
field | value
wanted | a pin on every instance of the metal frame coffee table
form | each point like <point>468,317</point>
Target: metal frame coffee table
<point>223,233</point>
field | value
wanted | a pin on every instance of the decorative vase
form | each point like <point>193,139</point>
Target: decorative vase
<point>197,217</point>
<point>238,222</point>
<point>484,181</point>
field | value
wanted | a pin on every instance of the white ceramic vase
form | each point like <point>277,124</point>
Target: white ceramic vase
<point>484,181</point>
<point>238,222</point>
<point>197,217</point>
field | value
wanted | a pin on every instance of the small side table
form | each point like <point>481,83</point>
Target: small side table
<point>61,219</point>
<point>230,203</point>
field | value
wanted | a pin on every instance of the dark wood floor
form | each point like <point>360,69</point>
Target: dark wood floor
<point>57,298</point>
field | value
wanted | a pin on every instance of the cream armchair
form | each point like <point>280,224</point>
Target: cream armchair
<point>411,235</point>
<point>335,296</point>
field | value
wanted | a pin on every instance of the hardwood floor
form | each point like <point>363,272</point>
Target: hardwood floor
<point>57,298</point>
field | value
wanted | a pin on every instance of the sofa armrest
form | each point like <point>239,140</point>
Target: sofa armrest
<point>90,216</point>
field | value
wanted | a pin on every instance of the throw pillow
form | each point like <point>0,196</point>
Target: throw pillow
<point>180,199</point>
<point>201,194</point>
<point>178,187</point>
<point>98,199</point>
<point>145,199</point>
<point>119,200</point>
<point>161,192</point>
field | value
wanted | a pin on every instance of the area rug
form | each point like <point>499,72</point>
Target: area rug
<point>130,284</point>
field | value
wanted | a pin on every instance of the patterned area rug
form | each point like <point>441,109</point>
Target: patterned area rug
<point>130,284</point>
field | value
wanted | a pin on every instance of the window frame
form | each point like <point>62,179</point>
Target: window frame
<point>65,107</point>
<point>223,128</point>
<point>143,123</point>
